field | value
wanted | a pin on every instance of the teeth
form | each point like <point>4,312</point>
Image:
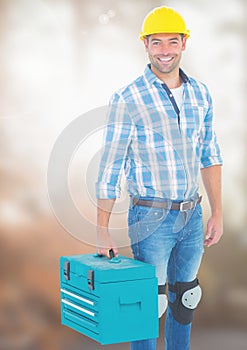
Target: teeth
<point>165,59</point>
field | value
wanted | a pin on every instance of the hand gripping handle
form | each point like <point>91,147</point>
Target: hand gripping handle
<point>113,258</point>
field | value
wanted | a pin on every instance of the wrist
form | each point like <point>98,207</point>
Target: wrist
<point>217,212</point>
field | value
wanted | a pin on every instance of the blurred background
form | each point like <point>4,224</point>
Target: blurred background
<point>59,60</point>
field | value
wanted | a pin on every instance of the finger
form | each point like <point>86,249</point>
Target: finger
<point>208,237</point>
<point>115,251</point>
<point>112,253</point>
<point>213,239</point>
<point>209,242</point>
<point>108,255</point>
<point>209,232</point>
<point>103,252</point>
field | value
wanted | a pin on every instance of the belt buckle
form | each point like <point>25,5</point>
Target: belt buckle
<point>181,206</point>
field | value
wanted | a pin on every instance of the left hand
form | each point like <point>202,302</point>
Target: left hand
<point>214,230</point>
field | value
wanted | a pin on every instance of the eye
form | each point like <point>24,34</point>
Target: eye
<point>156,43</point>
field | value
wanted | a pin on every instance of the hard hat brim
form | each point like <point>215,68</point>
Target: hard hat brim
<point>143,35</point>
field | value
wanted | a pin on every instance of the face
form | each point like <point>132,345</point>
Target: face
<point>165,52</point>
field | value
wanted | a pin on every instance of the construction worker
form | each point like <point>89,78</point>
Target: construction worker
<point>160,134</point>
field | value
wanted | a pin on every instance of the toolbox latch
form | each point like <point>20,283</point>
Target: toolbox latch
<point>90,279</point>
<point>66,270</point>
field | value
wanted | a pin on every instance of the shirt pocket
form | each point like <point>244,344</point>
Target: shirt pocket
<point>191,120</point>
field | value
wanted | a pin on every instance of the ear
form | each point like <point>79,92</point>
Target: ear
<point>146,44</point>
<point>184,42</point>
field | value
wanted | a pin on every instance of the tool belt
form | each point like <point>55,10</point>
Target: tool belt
<point>181,206</point>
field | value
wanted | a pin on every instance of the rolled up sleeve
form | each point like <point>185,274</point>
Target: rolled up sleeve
<point>116,143</point>
<point>210,150</point>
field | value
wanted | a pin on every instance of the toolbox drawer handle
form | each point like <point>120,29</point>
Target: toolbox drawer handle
<point>64,301</point>
<point>81,320</point>
<point>77,297</point>
<point>130,299</point>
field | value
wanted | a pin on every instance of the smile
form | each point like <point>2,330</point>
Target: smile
<point>165,60</point>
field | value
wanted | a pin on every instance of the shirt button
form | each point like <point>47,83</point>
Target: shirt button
<point>171,95</point>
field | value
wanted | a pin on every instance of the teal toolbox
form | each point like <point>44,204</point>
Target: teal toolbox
<point>110,301</point>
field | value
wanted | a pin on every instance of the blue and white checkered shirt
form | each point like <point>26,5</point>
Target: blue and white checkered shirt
<point>160,152</point>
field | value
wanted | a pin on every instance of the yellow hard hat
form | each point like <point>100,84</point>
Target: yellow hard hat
<point>163,20</point>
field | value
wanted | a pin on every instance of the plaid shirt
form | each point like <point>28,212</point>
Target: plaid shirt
<point>160,152</point>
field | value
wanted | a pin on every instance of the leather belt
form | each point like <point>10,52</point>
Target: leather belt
<point>181,206</point>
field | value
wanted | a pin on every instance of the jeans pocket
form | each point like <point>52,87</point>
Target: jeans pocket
<point>149,221</point>
<point>143,222</point>
<point>151,215</point>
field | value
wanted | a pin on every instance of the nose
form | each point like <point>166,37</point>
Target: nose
<point>164,49</point>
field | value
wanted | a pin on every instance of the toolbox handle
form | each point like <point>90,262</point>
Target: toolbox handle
<point>113,258</point>
<point>111,253</point>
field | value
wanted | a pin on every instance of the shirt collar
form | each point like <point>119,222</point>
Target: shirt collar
<point>151,77</point>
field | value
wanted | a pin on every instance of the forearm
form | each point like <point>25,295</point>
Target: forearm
<point>104,241</point>
<point>211,177</point>
<point>212,181</point>
<point>104,210</point>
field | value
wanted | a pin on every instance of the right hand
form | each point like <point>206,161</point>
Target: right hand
<point>105,243</point>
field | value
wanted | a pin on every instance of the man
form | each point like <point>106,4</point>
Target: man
<point>160,134</point>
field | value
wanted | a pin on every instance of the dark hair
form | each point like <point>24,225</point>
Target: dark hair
<point>147,36</point>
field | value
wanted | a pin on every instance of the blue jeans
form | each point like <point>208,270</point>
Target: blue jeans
<point>173,242</point>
